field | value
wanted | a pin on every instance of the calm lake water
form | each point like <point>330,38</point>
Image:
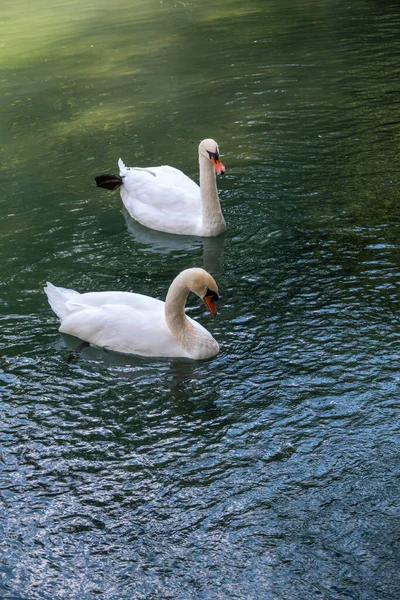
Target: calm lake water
<point>272,471</point>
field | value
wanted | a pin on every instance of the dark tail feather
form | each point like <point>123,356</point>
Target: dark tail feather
<point>109,182</point>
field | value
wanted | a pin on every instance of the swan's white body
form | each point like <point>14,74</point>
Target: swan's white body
<point>165,199</point>
<point>137,324</point>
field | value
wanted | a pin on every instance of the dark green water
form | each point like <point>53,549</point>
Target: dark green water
<point>272,471</point>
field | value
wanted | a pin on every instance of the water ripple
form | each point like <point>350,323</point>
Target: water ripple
<point>270,471</point>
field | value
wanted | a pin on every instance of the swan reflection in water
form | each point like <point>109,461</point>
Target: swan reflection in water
<point>180,375</point>
<point>161,243</point>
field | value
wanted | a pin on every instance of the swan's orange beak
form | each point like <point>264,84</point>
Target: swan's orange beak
<point>210,301</point>
<point>218,166</point>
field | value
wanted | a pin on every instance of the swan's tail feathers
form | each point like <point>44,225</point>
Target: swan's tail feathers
<point>58,298</point>
<point>123,169</point>
<point>109,182</point>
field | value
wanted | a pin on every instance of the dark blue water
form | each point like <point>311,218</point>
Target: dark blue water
<point>272,471</point>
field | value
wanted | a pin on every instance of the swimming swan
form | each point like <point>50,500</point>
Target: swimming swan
<point>138,324</point>
<point>165,199</point>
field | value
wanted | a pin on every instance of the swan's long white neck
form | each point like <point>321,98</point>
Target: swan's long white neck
<point>175,317</point>
<point>196,341</point>
<point>212,213</point>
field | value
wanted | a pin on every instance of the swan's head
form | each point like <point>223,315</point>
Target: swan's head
<point>201,283</point>
<point>209,149</point>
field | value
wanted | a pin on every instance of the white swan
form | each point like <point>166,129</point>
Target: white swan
<point>137,324</point>
<point>165,199</point>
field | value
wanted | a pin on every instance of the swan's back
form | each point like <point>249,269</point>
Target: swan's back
<point>121,321</point>
<point>168,200</point>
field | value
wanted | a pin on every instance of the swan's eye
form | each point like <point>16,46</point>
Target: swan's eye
<point>214,155</point>
<point>213,296</point>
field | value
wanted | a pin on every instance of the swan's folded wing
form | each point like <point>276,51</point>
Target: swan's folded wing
<point>99,299</point>
<point>170,190</point>
<point>123,329</point>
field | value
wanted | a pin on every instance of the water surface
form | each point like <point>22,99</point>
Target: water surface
<point>272,470</point>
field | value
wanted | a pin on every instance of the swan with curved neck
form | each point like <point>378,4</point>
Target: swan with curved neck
<point>136,324</point>
<point>165,199</point>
